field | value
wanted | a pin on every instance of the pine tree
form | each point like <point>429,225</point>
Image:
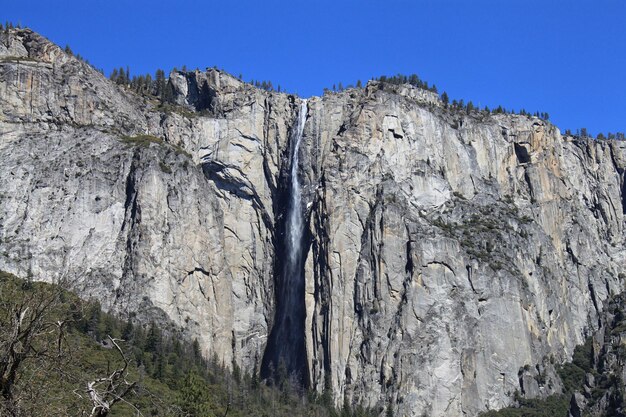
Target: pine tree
<point>158,371</point>
<point>94,321</point>
<point>148,85</point>
<point>168,94</point>
<point>197,353</point>
<point>444,98</point>
<point>153,339</point>
<point>159,77</point>
<point>236,372</point>
<point>127,332</point>
<point>121,79</point>
<point>194,396</point>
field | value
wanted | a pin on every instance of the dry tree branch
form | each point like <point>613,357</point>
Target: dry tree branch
<point>116,387</point>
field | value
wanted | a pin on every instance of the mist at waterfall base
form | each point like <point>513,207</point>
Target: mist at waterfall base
<point>285,354</point>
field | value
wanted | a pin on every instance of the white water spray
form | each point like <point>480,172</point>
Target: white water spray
<point>294,216</point>
<point>286,343</point>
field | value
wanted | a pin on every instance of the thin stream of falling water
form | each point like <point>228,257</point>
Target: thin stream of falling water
<point>286,344</point>
<point>295,227</point>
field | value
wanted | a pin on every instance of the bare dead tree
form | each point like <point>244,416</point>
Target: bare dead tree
<point>107,391</point>
<point>27,332</point>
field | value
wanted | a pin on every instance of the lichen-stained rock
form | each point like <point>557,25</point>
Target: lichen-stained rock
<point>449,254</point>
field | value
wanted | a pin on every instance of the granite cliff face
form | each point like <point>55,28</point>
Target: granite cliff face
<point>443,251</point>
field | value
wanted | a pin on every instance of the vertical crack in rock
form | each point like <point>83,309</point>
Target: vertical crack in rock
<point>623,191</point>
<point>381,330</point>
<point>132,218</point>
<point>285,355</point>
<point>409,267</point>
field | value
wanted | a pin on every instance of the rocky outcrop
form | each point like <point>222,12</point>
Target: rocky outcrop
<point>445,251</point>
<point>147,227</point>
<point>602,390</point>
<point>442,261</point>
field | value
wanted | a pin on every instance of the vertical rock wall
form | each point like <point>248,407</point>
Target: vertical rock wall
<point>445,251</point>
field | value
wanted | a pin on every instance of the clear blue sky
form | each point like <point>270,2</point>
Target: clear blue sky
<point>565,57</point>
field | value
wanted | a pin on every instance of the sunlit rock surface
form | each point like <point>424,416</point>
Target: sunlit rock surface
<point>444,251</point>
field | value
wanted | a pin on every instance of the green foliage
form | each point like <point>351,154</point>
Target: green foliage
<point>572,375</point>
<point>165,168</point>
<point>583,356</point>
<point>18,59</point>
<point>173,378</point>
<point>443,225</point>
<point>146,140</point>
<point>158,88</point>
<point>194,396</point>
<point>9,26</point>
<point>553,406</point>
<point>69,51</point>
<point>606,393</point>
<point>412,79</point>
<point>265,85</point>
<point>582,133</point>
<point>445,99</point>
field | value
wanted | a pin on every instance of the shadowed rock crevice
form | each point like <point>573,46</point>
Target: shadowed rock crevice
<point>623,175</point>
<point>521,151</point>
<point>386,321</point>
<point>285,354</point>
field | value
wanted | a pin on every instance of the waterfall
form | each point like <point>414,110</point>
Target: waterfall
<point>294,215</point>
<point>286,347</point>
